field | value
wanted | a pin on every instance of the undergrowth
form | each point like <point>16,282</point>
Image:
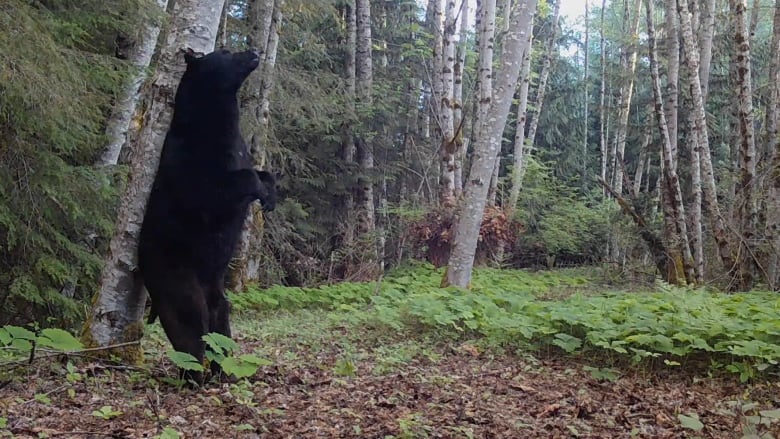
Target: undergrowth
<point>670,325</point>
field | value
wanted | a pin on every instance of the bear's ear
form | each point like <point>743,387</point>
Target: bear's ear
<point>191,56</point>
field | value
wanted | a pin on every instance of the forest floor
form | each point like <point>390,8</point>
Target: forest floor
<point>331,379</point>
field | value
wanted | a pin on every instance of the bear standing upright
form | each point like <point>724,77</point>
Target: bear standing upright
<point>198,203</point>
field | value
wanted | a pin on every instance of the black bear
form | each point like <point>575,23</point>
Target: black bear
<point>198,203</point>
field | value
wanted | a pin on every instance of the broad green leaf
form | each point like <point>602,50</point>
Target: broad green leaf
<point>185,361</point>
<point>60,340</point>
<point>690,421</point>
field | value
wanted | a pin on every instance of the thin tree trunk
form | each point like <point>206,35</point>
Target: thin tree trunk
<point>446,118</point>
<point>489,139</point>
<point>624,104</point>
<point>746,211</point>
<point>460,64</point>
<point>364,147</point>
<point>773,146</point>
<point>433,21</point>
<point>520,150</point>
<point>640,167</point>
<point>119,306</point>
<point>139,56</point>
<point>543,77</point>
<point>676,271</point>
<point>672,75</point>
<point>710,198</point>
<point>585,101</point>
<point>602,95</point>
<point>246,263</point>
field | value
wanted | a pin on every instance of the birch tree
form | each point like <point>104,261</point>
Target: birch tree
<point>773,145</point>
<point>746,210</point>
<point>628,61</point>
<point>446,116</point>
<point>520,147</point>
<point>139,56</point>
<point>543,77</point>
<point>119,306</point>
<point>709,190</point>
<point>265,17</point>
<point>458,115</point>
<point>602,96</point>
<point>488,141</point>
<point>363,147</point>
<point>676,271</point>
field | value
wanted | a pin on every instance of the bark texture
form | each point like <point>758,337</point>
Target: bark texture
<point>709,190</point>
<point>746,210</point>
<point>266,16</point>
<point>119,306</point>
<point>488,141</point>
<point>139,56</point>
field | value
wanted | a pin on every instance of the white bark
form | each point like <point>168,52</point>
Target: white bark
<point>672,75</point>
<point>543,77</point>
<point>521,150</point>
<point>119,123</point>
<point>460,64</point>
<point>602,95</point>
<point>246,263</point>
<point>364,84</point>
<point>446,116</point>
<point>624,104</point>
<point>489,138</point>
<point>674,201</point>
<point>118,309</point>
<point>710,198</point>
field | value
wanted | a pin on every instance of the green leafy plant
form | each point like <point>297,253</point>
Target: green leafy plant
<point>106,413</point>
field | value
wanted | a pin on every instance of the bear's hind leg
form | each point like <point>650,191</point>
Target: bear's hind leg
<point>185,319</point>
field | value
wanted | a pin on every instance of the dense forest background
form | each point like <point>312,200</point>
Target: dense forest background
<point>644,150</point>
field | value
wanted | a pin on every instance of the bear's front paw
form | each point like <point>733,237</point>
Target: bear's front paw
<point>267,193</point>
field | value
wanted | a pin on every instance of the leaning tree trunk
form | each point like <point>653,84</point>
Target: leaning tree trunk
<point>488,141</point>
<point>746,211</point>
<point>246,263</point>
<point>119,306</point>
<point>677,271</point>
<point>139,56</point>
<point>710,196</point>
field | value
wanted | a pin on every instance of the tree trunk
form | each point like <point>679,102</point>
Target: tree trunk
<point>672,75</point>
<point>246,263</point>
<point>674,203</point>
<point>460,64</point>
<point>773,146</point>
<point>139,56</point>
<point>446,117</point>
<point>489,139</point>
<point>543,77</point>
<point>602,95</point>
<point>364,147</point>
<point>119,306</point>
<point>624,102</point>
<point>433,21</point>
<point>746,211</point>
<point>710,198</point>
<point>520,150</point>
<point>585,101</point>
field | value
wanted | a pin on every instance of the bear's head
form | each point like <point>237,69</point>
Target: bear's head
<point>220,71</point>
